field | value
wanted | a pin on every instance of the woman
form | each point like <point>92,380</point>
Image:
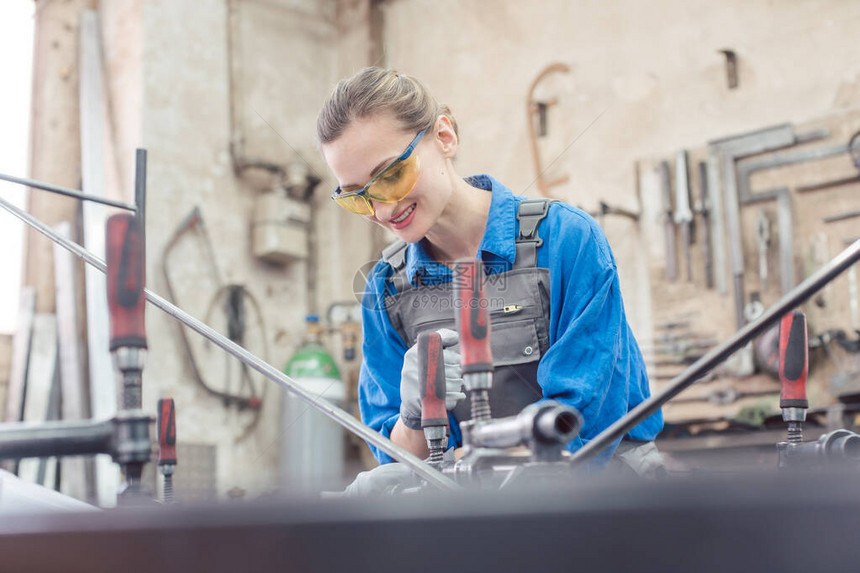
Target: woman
<point>558,325</point>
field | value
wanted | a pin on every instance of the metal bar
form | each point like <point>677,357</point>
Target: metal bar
<point>828,184</point>
<point>785,226</point>
<point>273,374</point>
<point>140,188</point>
<point>791,300</point>
<point>683,212</point>
<point>733,225</point>
<point>841,217</point>
<point>717,219</point>
<point>758,141</point>
<point>50,438</point>
<point>746,169</point>
<point>66,191</point>
<point>668,223</point>
<point>705,210</point>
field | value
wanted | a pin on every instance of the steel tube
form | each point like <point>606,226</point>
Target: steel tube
<point>273,374</point>
<point>140,188</point>
<point>788,302</point>
<point>55,438</point>
<point>546,422</point>
<point>66,191</point>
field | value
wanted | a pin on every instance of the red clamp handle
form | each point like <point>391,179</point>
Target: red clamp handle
<point>431,364</point>
<point>126,277</point>
<point>793,360</point>
<point>166,432</point>
<point>472,316</point>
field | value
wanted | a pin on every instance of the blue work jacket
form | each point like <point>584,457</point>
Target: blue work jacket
<point>593,362</point>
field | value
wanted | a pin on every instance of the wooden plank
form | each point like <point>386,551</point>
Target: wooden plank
<point>103,394</point>
<point>40,378</point>
<point>72,383</point>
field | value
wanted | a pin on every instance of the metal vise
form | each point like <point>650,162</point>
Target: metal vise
<point>838,446</point>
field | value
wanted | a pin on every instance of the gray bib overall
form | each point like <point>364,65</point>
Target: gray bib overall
<point>519,314</point>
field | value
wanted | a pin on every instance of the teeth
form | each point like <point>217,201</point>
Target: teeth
<point>405,214</point>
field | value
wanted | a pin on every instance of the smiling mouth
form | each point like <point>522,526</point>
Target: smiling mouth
<point>403,215</point>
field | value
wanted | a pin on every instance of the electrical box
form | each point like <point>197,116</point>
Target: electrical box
<point>280,227</point>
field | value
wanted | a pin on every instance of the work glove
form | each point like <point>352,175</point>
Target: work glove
<point>410,380</point>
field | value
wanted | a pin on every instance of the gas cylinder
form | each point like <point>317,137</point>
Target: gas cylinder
<point>312,452</point>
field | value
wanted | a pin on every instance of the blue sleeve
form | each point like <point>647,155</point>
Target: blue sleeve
<point>383,350</point>
<point>593,362</point>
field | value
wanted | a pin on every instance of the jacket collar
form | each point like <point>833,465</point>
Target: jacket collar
<point>499,234</point>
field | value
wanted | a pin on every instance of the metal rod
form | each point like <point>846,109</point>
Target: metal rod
<point>792,299</point>
<point>140,188</point>
<point>19,440</point>
<point>842,217</point>
<point>66,191</point>
<point>273,374</point>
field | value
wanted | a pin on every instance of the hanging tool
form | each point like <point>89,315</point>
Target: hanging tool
<point>167,445</point>
<point>819,254</point>
<point>683,213</point>
<point>705,211</point>
<point>434,415</point>
<point>668,223</point>
<point>235,297</point>
<point>534,107</point>
<point>194,220</point>
<point>473,324</point>
<point>763,242</point>
<point>607,209</point>
<point>785,226</point>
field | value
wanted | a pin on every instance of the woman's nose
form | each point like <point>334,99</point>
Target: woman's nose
<point>384,211</point>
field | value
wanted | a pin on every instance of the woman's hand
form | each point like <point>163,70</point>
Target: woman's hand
<point>411,380</point>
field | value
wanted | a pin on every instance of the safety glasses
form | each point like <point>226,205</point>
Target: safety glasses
<point>390,185</point>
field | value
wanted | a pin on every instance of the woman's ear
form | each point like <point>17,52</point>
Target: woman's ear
<point>446,137</point>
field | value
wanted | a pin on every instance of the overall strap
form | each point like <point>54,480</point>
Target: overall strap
<point>530,214</point>
<point>395,255</point>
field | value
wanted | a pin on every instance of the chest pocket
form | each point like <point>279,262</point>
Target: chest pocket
<point>518,303</point>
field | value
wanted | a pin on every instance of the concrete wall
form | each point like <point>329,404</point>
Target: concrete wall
<point>649,71</point>
<point>169,77</point>
<point>186,126</point>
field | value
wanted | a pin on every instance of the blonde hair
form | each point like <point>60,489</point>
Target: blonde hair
<point>377,90</point>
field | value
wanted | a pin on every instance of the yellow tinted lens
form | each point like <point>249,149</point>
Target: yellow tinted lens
<point>355,203</point>
<point>396,182</point>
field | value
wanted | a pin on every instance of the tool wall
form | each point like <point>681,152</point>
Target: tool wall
<point>730,226</point>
